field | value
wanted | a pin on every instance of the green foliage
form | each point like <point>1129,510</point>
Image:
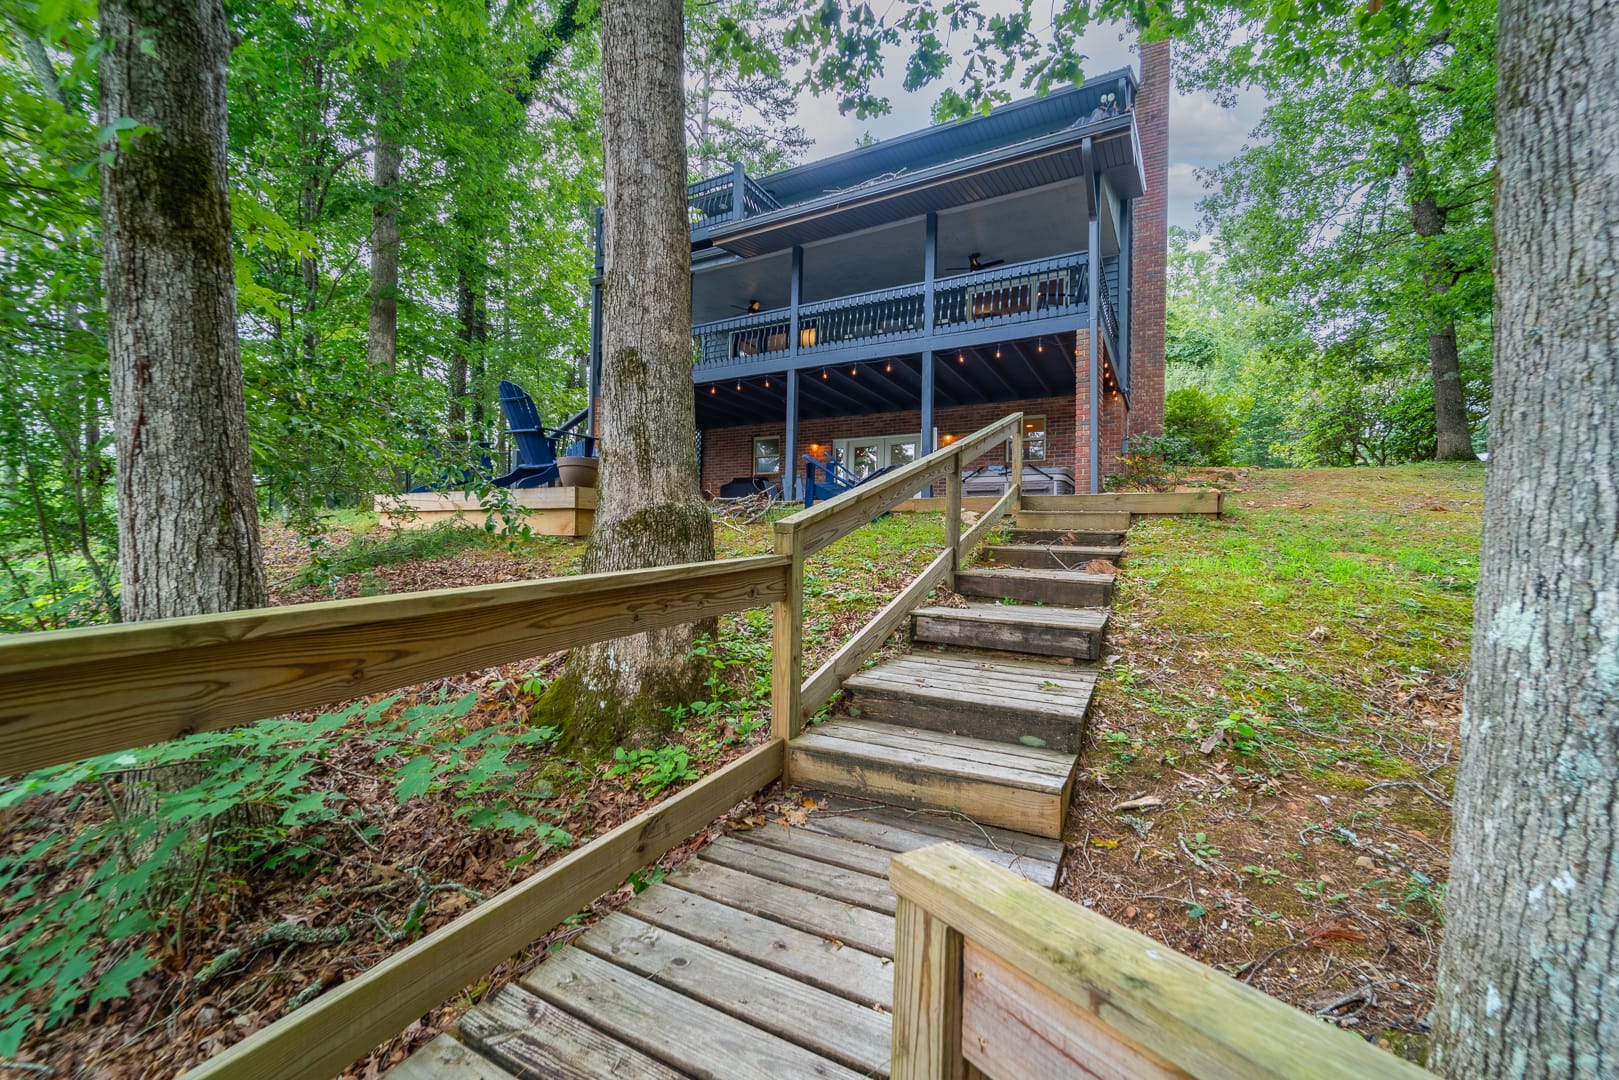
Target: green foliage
<point>1154,463</point>
<point>653,770</point>
<point>84,910</point>
<point>1204,421</point>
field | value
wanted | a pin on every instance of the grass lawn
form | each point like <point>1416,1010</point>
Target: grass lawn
<point>1272,754</point>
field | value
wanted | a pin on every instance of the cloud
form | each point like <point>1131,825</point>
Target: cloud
<point>1202,134</point>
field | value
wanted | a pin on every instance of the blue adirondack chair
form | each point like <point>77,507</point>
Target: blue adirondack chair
<point>537,450</point>
<point>837,479</point>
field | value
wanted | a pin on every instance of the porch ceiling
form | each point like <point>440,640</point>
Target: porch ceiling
<point>1027,368</point>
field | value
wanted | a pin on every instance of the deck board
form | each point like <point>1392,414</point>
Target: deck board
<point>816,959</point>
<point>806,911</point>
<point>531,1037</point>
<point>807,1016</point>
<point>661,1022</point>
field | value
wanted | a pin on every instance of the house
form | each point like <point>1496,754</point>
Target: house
<point>874,305</point>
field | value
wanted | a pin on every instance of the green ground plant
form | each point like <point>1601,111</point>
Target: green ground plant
<point>90,911</point>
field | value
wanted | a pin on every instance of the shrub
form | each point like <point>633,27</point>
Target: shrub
<point>1204,421</point>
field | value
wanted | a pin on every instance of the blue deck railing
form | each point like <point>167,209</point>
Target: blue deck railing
<point>1005,295</point>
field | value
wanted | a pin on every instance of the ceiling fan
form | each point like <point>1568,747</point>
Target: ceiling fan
<point>751,307</point>
<point>973,263</point>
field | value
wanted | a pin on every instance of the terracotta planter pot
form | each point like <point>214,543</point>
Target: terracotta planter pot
<point>577,471</point>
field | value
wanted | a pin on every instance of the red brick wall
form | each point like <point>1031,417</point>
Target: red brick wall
<point>728,451</point>
<point>1115,417</point>
<point>1150,256</point>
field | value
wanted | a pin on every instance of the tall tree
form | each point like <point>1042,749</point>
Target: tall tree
<point>188,521</point>
<point>1306,216</point>
<point>1529,970</point>
<point>650,510</point>
<point>739,103</point>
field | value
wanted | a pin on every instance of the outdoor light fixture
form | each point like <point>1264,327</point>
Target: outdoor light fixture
<point>997,352</point>
<point>1041,347</point>
<point>713,389</point>
<point>853,372</point>
<point>888,368</point>
<point>824,375</point>
<point>961,358</point>
<point>739,388</point>
<point>767,384</point>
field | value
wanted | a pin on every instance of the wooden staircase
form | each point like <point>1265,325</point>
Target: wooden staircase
<point>985,715</point>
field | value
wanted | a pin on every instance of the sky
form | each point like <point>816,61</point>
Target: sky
<point>1201,133</point>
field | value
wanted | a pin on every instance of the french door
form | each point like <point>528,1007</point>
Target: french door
<point>864,456</point>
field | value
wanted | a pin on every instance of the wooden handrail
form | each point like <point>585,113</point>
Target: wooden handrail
<point>812,529</point>
<point>994,972</point>
<point>71,694</point>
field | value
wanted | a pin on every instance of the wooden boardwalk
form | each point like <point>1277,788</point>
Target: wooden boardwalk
<point>767,956</point>
<point>770,953</point>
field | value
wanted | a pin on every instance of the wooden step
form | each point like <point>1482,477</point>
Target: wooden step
<point>1071,588</point>
<point>1073,519</point>
<point>1051,556</point>
<point>1019,628</point>
<point>1001,701</point>
<point>1065,536</point>
<point>1018,787</point>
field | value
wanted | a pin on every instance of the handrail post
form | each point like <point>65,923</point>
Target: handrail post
<point>1014,463</point>
<point>787,644</point>
<point>952,515</point>
<point>927,997</point>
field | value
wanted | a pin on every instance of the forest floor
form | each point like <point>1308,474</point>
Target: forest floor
<point>1267,786</point>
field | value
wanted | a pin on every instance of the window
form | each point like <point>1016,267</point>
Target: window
<point>766,455</point>
<point>1034,438</point>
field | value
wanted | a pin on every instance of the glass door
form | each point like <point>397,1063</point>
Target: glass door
<point>865,455</point>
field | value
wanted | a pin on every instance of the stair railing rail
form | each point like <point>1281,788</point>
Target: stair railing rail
<point>996,976</point>
<point>808,531</point>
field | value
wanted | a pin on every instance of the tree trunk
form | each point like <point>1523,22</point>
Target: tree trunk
<point>1529,971</point>
<point>382,341</point>
<point>1455,441</point>
<point>188,527</point>
<point>650,510</point>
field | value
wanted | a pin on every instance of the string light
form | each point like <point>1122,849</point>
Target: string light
<point>853,372</point>
<point>997,352</point>
<point>739,388</point>
<point>1041,347</point>
<point>713,389</point>
<point>767,384</point>
<point>888,368</point>
<point>961,358</point>
<point>824,375</point>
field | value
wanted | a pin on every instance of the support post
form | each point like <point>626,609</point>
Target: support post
<point>952,515</point>
<point>787,645</point>
<point>789,443</point>
<point>1094,300</point>
<point>739,183</point>
<point>927,402</point>
<point>927,997</point>
<point>930,270</point>
<point>1014,464</point>
<point>1126,242</point>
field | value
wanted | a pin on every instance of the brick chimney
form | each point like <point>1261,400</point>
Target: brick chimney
<point>1151,248</point>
